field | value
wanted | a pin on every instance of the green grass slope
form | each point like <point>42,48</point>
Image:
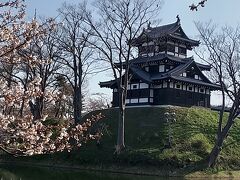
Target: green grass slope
<point>146,137</point>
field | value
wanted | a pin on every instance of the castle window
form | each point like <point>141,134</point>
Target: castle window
<point>184,74</point>
<point>165,84</point>
<point>207,91</point>
<point>154,68</point>
<point>134,100</point>
<point>143,86</point>
<point>182,50</point>
<point>146,50</point>
<point>162,48</point>
<point>178,86</point>
<point>134,86</point>
<point>196,89</point>
<point>190,88</point>
<point>161,68</point>
<point>143,100</point>
<point>147,68</point>
<point>171,48</point>
<point>184,87</point>
<point>151,92</point>
<point>196,76</point>
<point>176,49</point>
<point>201,90</point>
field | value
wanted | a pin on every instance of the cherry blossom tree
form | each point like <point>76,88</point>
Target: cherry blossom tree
<point>97,101</point>
<point>28,134</point>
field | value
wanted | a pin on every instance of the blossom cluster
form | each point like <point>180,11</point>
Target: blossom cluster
<point>23,136</point>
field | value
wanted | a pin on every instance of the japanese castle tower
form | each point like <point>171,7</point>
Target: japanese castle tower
<point>162,74</point>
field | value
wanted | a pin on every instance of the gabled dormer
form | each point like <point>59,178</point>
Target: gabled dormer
<point>190,70</point>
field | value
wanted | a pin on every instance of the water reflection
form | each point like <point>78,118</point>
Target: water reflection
<point>30,173</point>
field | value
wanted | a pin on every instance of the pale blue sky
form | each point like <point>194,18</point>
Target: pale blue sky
<point>221,12</point>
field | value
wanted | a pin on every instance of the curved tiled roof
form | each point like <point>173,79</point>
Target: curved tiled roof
<point>172,74</point>
<point>159,57</point>
<point>168,30</point>
<point>155,32</point>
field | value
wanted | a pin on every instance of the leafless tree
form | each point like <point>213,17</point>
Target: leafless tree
<point>76,57</point>
<point>222,52</point>
<point>117,24</point>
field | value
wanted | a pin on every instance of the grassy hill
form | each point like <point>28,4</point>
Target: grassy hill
<point>147,132</point>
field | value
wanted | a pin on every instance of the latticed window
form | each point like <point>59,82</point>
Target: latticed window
<point>171,48</point>
<point>182,50</point>
<point>162,48</point>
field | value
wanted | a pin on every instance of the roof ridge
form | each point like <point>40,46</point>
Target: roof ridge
<point>170,24</point>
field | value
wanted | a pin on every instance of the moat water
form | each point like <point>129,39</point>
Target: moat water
<point>30,173</point>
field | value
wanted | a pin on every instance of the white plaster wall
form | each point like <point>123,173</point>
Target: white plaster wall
<point>143,100</point>
<point>143,85</point>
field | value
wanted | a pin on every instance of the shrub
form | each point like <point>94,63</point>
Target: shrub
<point>200,144</point>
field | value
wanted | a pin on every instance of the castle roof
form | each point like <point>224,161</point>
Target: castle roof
<point>174,74</point>
<point>172,31</point>
<point>161,57</point>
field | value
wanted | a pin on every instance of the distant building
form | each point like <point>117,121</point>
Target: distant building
<point>162,72</point>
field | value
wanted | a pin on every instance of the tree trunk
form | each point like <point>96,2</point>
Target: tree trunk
<point>77,105</point>
<point>36,108</point>
<point>121,125</point>
<point>21,108</point>
<point>121,135</point>
<point>58,108</point>
<point>215,152</point>
<point>219,143</point>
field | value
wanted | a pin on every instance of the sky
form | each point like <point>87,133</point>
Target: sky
<point>221,12</point>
